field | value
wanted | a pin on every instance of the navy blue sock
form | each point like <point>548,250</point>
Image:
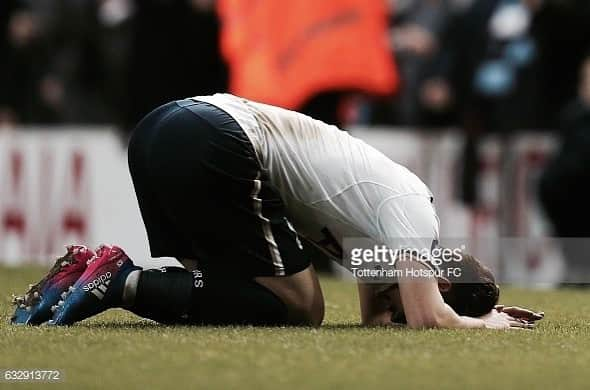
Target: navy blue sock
<point>173,295</point>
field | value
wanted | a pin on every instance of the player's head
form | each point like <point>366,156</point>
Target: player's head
<point>473,291</point>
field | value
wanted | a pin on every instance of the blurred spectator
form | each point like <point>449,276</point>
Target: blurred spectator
<point>306,55</point>
<point>415,32</point>
<point>564,184</point>
<point>175,54</point>
<point>54,68</point>
<point>114,45</point>
<point>488,61</point>
<point>104,61</point>
<point>76,79</point>
<point>486,70</point>
<point>562,30</point>
<point>24,59</point>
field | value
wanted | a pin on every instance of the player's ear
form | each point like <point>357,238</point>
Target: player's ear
<point>444,284</point>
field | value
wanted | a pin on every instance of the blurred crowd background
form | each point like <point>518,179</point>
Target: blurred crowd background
<point>104,61</point>
<point>485,65</point>
<point>481,66</point>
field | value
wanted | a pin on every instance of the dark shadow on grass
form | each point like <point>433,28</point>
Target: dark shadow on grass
<point>144,324</point>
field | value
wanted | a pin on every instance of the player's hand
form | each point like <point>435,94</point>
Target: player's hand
<point>521,313</point>
<point>499,320</point>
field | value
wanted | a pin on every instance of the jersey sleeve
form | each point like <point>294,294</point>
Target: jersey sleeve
<point>409,223</point>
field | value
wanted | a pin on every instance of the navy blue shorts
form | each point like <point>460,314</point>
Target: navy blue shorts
<point>204,196</point>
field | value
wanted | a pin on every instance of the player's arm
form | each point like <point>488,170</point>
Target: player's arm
<point>414,219</point>
<point>375,310</point>
<point>424,306</point>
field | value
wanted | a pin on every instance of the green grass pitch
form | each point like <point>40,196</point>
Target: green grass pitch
<point>117,350</point>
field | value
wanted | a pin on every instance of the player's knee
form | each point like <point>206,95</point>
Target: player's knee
<point>307,313</point>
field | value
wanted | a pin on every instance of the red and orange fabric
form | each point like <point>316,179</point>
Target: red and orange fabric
<point>284,52</point>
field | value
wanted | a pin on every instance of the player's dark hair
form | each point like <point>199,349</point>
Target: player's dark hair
<point>475,292</point>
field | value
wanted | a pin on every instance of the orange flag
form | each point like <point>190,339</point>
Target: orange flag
<point>285,52</point>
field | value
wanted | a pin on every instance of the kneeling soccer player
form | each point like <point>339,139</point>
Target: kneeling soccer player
<point>235,190</point>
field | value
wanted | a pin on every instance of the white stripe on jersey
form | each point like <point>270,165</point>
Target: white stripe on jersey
<point>267,229</point>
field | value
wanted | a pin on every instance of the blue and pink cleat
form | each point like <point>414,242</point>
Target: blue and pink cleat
<point>34,308</point>
<point>99,288</point>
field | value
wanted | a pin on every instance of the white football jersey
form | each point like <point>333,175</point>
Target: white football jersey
<point>334,186</point>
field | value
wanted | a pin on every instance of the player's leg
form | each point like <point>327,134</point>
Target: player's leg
<point>186,210</point>
<point>173,295</point>
<point>170,295</point>
<point>235,220</point>
<point>301,293</point>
